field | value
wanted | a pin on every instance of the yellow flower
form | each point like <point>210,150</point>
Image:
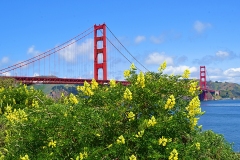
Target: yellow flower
<point>162,141</point>
<point>173,155</point>
<point>94,84</point>
<point>1,89</point>
<point>52,144</point>
<point>98,135</point>
<point>141,80</point>
<point>193,87</point>
<point>131,116</point>
<point>62,95</point>
<point>186,73</point>
<point>73,99</point>
<point>132,67</point>
<point>82,155</point>
<point>193,107</point>
<point>151,122</point>
<point>25,157</point>
<point>162,66</point>
<point>86,89</point>
<point>139,134</point>
<point>35,103</point>
<point>109,146</point>
<point>127,94</point>
<point>198,145</point>
<point>16,116</point>
<point>170,102</point>
<point>112,83</point>
<point>121,140</point>
<point>126,73</point>
<point>132,157</point>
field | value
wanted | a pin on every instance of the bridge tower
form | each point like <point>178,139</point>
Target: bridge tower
<point>203,83</point>
<point>100,49</point>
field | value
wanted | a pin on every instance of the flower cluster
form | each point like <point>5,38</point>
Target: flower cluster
<point>127,94</point>
<point>151,122</point>
<point>194,109</point>
<point>83,155</point>
<point>131,116</point>
<point>170,102</point>
<point>35,103</point>
<point>73,99</point>
<point>193,87</point>
<point>173,155</point>
<point>94,84</point>
<point>186,74</point>
<point>141,80</point>
<point>162,66</point>
<point>126,73</point>
<point>139,134</point>
<point>52,144</point>
<point>132,157</point>
<point>132,67</point>
<point>86,89</point>
<point>1,89</point>
<point>121,140</point>
<point>15,116</point>
<point>162,141</point>
<point>24,157</point>
<point>112,83</point>
<point>197,145</point>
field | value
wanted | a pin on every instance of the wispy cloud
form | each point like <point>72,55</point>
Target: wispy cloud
<point>71,52</point>
<point>219,56</point>
<point>178,70</point>
<point>4,60</point>
<point>232,72</point>
<point>6,74</point>
<point>33,51</point>
<point>140,39</point>
<point>200,27</point>
<point>157,40</point>
<point>158,58</point>
<point>228,75</point>
<point>165,36</point>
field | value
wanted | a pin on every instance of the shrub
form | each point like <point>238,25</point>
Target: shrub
<point>154,117</point>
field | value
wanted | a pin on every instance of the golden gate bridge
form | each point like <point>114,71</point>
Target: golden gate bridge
<point>74,58</point>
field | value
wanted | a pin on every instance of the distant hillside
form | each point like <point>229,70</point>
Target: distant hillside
<point>227,89</point>
<point>55,91</point>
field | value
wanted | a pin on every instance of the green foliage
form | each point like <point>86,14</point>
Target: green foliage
<point>154,117</point>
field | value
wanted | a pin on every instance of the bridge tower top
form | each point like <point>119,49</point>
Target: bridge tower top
<point>203,81</point>
<point>100,49</point>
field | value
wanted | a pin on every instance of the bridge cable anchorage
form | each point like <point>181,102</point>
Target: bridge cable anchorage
<point>43,56</point>
<point>23,63</point>
<point>126,50</point>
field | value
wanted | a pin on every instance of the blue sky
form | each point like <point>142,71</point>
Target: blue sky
<point>186,33</point>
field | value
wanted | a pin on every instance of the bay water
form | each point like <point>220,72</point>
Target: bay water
<point>222,117</point>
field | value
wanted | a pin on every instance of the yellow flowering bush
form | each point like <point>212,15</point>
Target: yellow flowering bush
<point>153,117</point>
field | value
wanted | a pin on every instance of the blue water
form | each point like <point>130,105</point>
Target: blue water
<point>223,117</point>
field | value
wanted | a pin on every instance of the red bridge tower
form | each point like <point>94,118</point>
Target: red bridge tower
<point>100,41</point>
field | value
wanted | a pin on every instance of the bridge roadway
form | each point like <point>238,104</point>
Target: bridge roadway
<point>56,80</point>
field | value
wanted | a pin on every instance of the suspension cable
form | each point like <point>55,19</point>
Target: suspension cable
<point>127,50</point>
<point>40,56</point>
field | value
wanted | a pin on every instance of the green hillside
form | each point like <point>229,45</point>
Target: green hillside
<point>55,90</point>
<point>227,89</point>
